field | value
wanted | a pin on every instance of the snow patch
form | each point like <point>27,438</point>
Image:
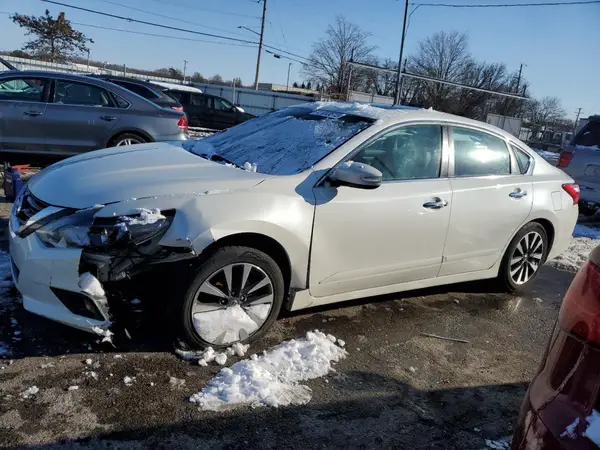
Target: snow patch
<point>30,392</point>
<point>570,430</point>
<point>128,380</point>
<point>107,335</point>
<point>73,388</point>
<point>592,432</point>
<point>146,217</point>
<point>272,379</point>
<point>176,382</point>
<point>498,445</point>
<point>90,285</point>
<point>573,258</point>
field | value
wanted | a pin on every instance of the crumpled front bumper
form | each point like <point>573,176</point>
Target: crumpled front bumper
<point>37,270</point>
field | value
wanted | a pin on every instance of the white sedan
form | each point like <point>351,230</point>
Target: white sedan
<point>306,206</point>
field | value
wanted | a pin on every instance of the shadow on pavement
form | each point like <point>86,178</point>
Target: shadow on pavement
<point>390,414</point>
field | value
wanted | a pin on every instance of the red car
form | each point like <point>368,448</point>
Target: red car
<point>559,410</point>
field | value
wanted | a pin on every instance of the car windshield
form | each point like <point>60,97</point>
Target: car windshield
<point>284,142</point>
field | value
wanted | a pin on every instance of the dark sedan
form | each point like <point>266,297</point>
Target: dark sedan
<point>56,114</point>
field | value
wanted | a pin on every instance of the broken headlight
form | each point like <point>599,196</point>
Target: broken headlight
<point>69,231</point>
<point>136,229</point>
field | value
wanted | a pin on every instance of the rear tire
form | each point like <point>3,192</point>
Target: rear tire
<point>127,139</point>
<point>222,291</point>
<point>523,258</point>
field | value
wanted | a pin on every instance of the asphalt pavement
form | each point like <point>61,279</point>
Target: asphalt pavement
<point>396,389</point>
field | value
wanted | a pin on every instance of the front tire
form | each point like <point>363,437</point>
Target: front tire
<point>234,296</point>
<point>524,256</point>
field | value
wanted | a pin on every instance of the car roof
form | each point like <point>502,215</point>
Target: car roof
<point>390,114</point>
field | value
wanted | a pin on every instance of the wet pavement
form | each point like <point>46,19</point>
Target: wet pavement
<point>396,389</point>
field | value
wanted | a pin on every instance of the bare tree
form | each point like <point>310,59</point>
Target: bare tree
<point>544,112</point>
<point>329,56</point>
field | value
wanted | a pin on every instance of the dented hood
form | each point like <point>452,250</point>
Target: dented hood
<point>137,171</point>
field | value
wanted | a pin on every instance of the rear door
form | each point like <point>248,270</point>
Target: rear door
<point>491,199</point>
<point>23,108</point>
<point>80,117</point>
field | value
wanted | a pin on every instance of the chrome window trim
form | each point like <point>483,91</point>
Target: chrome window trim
<point>56,79</point>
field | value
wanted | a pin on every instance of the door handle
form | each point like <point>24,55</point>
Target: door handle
<point>518,194</point>
<point>108,118</point>
<point>33,113</point>
<point>438,204</point>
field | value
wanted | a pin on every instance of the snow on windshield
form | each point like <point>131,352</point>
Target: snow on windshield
<point>285,142</point>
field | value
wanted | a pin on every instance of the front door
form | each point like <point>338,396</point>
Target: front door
<point>393,234</point>
<point>226,115</point>
<point>22,113</point>
<point>80,119</point>
<point>491,200</point>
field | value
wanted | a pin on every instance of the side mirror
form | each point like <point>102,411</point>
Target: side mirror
<point>357,175</point>
<point>238,109</point>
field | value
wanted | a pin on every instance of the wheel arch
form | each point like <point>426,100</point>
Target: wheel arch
<point>549,228</point>
<point>137,131</point>
<point>261,242</point>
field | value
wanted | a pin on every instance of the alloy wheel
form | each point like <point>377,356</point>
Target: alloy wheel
<point>128,141</point>
<point>527,257</point>
<point>232,304</point>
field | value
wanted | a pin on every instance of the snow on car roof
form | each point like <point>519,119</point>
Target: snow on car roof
<point>369,110</point>
<point>176,87</point>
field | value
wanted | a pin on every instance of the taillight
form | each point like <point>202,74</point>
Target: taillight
<point>580,311</point>
<point>565,159</point>
<point>177,108</point>
<point>183,123</point>
<point>573,190</point>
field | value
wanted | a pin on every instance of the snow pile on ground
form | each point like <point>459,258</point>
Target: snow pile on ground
<point>209,354</point>
<point>548,156</point>
<point>272,378</point>
<point>90,285</point>
<point>146,217</point>
<point>577,253</point>
<point>106,334</point>
<point>586,231</point>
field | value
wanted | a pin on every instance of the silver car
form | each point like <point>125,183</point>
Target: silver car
<point>55,114</point>
<point>306,206</point>
<point>581,160</point>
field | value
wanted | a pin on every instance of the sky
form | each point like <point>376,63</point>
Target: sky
<point>557,45</point>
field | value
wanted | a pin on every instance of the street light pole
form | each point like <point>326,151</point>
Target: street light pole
<point>184,67</point>
<point>400,59</point>
<point>287,84</point>
<point>260,44</point>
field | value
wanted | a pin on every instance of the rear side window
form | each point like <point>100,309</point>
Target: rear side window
<point>81,94</point>
<point>523,159</point>
<point>22,89</point>
<point>477,154</point>
<point>589,136</point>
<point>200,100</point>
<point>136,88</point>
<point>120,101</point>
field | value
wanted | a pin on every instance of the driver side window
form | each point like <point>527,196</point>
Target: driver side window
<point>407,153</point>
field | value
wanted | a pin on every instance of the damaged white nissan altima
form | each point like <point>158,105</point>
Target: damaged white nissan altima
<point>306,206</point>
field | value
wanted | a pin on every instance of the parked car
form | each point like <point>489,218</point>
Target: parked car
<point>581,160</point>
<point>55,114</point>
<point>306,206</point>
<point>210,111</point>
<point>153,92</point>
<point>559,405</point>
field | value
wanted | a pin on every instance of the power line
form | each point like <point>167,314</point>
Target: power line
<point>162,35</point>
<point>167,17</point>
<point>144,22</point>
<point>506,5</point>
<point>196,8</point>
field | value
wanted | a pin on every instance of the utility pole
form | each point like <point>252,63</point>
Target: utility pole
<point>184,67</point>
<point>519,77</point>
<point>400,59</point>
<point>287,84</point>
<point>576,120</point>
<point>88,61</point>
<point>260,43</point>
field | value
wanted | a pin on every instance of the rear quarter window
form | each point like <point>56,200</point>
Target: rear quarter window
<point>589,136</point>
<point>523,159</point>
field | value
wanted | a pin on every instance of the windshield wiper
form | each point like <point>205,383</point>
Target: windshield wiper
<point>219,158</point>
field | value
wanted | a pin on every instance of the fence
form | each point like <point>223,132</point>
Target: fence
<point>252,101</point>
<point>33,64</point>
<point>370,98</point>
